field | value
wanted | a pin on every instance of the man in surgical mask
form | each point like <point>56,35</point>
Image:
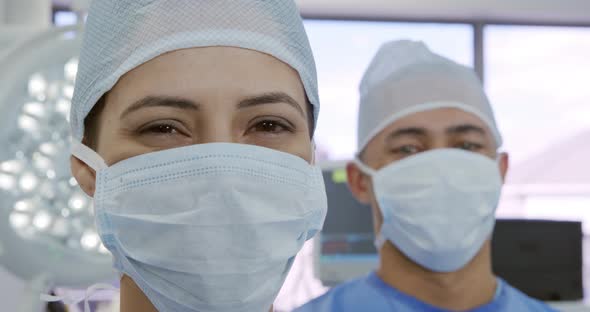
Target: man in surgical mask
<point>428,164</point>
<point>192,123</point>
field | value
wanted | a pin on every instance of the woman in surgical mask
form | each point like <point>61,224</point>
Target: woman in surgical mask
<point>192,124</point>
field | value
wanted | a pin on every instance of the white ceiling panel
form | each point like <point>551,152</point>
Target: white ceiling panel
<point>535,11</point>
<point>521,11</point>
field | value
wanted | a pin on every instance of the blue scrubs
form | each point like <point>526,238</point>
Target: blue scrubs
<point>371,294</point>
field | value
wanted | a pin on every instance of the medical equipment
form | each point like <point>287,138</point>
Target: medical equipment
<point>47,234</point>
<point>345,248</point>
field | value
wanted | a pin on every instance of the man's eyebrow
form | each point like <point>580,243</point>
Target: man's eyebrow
<point>271,98</point>
<point>161,101</point>
<point>410,131</point>
<point>466,128</point>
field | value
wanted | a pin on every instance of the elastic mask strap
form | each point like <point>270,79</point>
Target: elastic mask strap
<point>88,156</point>
<point>379,239</point>
<point>90,291</point>
<point>364,168</point>
<point>313,150</point>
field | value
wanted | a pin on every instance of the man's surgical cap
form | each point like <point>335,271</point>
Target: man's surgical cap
<point>405,77</point>
<point>123,34</point>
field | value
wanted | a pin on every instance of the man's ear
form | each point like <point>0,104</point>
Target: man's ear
<point>504,164</point>
<point>85,175</point>
<point>358,183</point>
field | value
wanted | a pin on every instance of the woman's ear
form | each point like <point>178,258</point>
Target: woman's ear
<point>85,175</point>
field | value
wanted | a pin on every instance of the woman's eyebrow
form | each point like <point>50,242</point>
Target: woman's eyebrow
<point>160,101</point>
<point>271,98</point>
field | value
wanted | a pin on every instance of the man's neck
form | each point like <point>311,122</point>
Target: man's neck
<point>470,287</point>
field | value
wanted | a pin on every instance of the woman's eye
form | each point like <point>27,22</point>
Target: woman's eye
<point>160,129</point>
<point>162,134</point>
<point>270,126</point>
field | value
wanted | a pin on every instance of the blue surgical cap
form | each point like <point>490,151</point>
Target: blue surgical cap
<point>405,77</point>
<point>123,34</point>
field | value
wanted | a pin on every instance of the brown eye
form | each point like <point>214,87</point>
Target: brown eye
<point>164,134</point>
<point>406,150</point>
<point>162,129</point>
<point>269,126</point>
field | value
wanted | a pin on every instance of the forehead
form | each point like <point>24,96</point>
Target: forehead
<point>437,122</point>
<point>198,73</point>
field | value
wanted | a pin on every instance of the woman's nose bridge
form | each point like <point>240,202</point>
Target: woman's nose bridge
<point>216,128</point>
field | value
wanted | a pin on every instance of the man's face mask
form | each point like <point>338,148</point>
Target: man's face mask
<point>438,206</point>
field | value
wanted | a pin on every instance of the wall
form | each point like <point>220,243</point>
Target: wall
<point>2,12</point>
<point>33,13</point>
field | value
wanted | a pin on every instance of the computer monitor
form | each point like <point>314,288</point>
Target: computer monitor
<point>344,249</point>
<point>541,258</point>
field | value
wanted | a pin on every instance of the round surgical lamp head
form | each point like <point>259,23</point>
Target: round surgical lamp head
<point>46,221</point>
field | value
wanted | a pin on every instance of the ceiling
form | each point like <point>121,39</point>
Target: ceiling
<point>519,11</point>
<point>567,12</point>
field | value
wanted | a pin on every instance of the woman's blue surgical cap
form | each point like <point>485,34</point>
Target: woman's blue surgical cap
<point>123,34</point>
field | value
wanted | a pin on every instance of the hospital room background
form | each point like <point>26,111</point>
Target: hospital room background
<point>532,56</point>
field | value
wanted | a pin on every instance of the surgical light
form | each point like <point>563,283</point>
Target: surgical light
<point>47,228</point>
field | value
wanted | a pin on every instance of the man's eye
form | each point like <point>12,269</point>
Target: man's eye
<point>406,150</point>
<point>470,146</point>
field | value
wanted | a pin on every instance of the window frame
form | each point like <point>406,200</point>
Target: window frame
<point>478,26</point>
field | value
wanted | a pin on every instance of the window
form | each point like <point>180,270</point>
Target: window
<point>536,80</point>
<point>343,50</point>
<point>64,18</point>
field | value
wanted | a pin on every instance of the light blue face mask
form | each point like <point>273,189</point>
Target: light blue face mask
<point>438,207</point>
<point>210,227</point>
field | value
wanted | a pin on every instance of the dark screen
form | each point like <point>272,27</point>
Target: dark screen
<point>348,230</point>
